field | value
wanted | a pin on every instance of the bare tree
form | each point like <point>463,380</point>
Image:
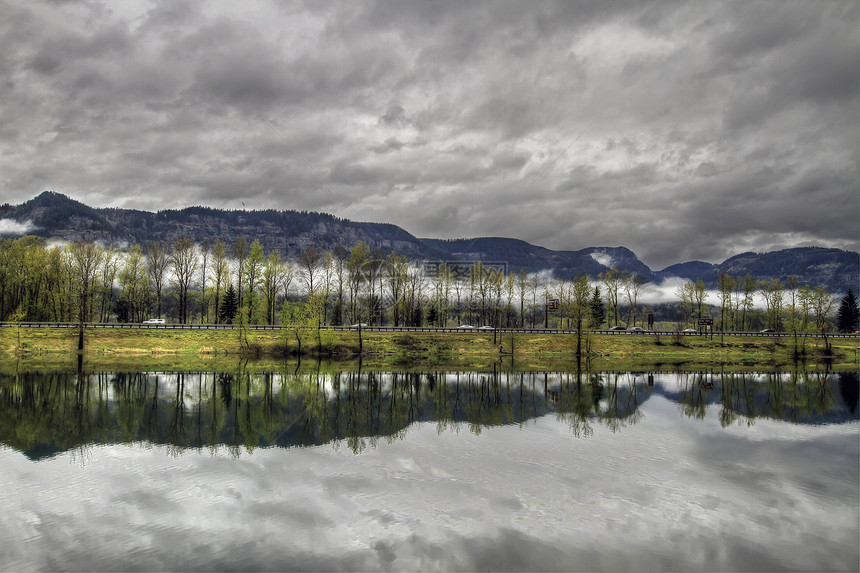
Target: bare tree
<point>240,252</point>
<point>251,276</point>
<point>726,284</point>
<point>522,283</point>
<point>220,273</point>
<point>183,257</point>
<point>273,279</point>
<point>632,288</point>
<point>340,255</point>
<point>396,276</point>
<point>157,261</point>
<point>309,260</point>
<point>109,270</point>
<point>358,257</point>
<point>205,250</point>
<point>612,279</point>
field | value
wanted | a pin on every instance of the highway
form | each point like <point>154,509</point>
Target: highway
<point>460,330</point>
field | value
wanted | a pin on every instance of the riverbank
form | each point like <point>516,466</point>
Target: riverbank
<point>193,349</point>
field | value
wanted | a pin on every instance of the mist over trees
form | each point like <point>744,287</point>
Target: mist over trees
<point>188,282</point>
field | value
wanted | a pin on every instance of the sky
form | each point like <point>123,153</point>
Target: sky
<point>681,130</point>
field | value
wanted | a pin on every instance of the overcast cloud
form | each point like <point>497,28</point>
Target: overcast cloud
<point>682,130</point>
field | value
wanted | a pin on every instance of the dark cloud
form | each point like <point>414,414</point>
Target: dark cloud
<point>679,129</point>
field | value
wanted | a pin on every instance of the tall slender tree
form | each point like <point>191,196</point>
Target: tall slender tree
<point>220,274</point>
<point>598,310</point>
<point>183,258</point>
<point>612,280</point>
<point>86,257</point>
<point>240,251</point>
<point>205,251</point>
<point>726,284</point>
<point>848,315</point>
<point>272,279</point>
<point>251,276</point>
<point>229,306</point>
<point>157,263</point>
<point>133,286</point>
<point>358,257</point>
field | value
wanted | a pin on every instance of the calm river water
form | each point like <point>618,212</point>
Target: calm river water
<point>330,470</point>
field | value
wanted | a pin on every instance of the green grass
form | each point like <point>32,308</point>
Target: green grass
<point>205,349</point>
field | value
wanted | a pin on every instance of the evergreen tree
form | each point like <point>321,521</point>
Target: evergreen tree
<point>229,306</point>
<point>848,317</point>
<point>598,310</point>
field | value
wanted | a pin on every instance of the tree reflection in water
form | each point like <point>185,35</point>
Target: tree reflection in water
<point>46,413</point>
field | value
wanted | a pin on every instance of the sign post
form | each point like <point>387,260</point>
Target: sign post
<point>551,304</point>
<point>706,323</point>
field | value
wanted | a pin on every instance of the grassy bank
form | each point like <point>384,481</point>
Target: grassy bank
<point>207,349</point>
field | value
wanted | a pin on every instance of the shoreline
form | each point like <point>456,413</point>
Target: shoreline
<point>193,349</point>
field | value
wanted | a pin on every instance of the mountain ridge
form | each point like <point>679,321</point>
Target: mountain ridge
<point>55,216</point>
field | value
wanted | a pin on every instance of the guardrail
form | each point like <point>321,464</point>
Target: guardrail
<point>142,326</point>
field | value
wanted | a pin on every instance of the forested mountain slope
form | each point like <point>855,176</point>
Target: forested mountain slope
<point>55,216</point>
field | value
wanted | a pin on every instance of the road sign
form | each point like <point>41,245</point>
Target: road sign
<point>552,304</point>
<point>705,322</point>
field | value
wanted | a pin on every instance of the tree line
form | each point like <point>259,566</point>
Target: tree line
<point>218,283</point>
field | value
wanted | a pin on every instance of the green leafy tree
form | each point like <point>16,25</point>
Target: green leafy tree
<point>86,256</point>
<point>133,285</point>
<point>773,293</point>
<point>687,293</point>
<point>580,311</point>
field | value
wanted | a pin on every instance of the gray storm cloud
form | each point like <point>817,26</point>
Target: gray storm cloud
<point>681,130</point>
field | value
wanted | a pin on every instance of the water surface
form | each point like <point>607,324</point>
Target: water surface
<point>429,471</point>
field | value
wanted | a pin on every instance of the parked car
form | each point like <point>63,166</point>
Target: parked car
<point>154,321</point>
<point>690,330</point>
<point>767,330</point>
<point>465,326</point>
<point>486,328</point>
<point>358,325</point>
<point>638,329</point>
<point>618,327</point>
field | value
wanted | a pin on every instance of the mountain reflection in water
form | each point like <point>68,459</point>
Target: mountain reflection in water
<point>42,414</point>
